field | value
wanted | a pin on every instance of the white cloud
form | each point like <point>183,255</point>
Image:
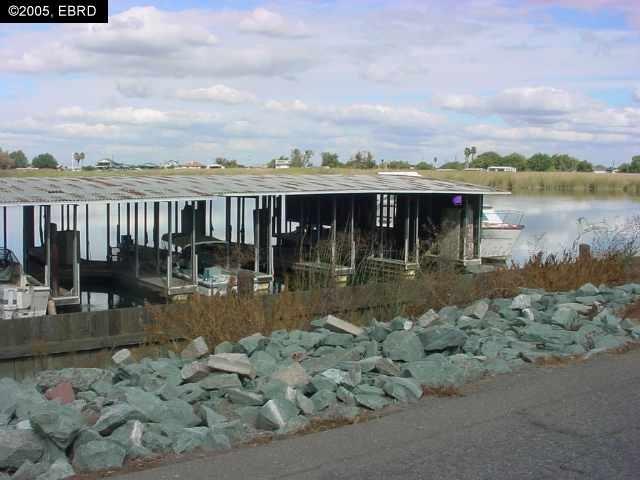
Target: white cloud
<point>137,116</point>
<point>86,130</point>
<point>217,93</point>
<point>270,23</point>
<point>527,101</point>
<point>135,88</point>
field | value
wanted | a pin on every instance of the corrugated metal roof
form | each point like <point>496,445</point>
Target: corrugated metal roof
<point>56,190</point>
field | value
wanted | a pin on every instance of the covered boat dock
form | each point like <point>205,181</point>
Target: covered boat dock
<point>180,234</point>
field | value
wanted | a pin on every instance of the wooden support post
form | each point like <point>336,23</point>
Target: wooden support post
<point>76,258</point>
<point>334,226</point>
<point>242,227</point>
<point>318,228</point>
<point>381,221</point>
<point>177,220</point>
<point>256,235</point>
<point>28,235</point>
<point>118,228</point>
<point>169,249</point>
<point>237,221</point>
<point>406,229</point>
<point>211,218</point>
<point>194,256</point>
<point>352,234</point>
<point>417,231</point>
<point>128,219</point>
<point>47,245</point>
<point>227,228</point>
<point>61,218</point>
<point>146,231</point>
<point>109,232</point>
<point>86,232</point>
<point>270,237</point>
<point>136,257</point>
<point>156,234</point>
<point>4,227</point>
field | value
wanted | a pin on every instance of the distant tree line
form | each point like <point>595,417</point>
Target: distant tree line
<point>17,159</point>
<point>539,162</point>
<point>633,167</point>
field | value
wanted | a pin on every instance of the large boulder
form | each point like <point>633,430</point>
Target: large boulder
<point>436,371</point>
<point>58,423</point>
<point>8,397</point>
<point>114,416</point>
<point>99,455</point>
<point>195,349</point>
<point>404,346</point>
<point>293,374</point>
<point>19,446</point>
<point>441,338</point>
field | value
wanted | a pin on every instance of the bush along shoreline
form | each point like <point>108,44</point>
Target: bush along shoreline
<point>80,420</point>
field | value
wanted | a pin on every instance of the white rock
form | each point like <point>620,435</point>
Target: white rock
<point>122,357</point>
<point>293,375</point>
<point>196,349</point>
<point>521,302</point>
<point>233,363</point>
<point>194,371</point>
<point>428,318</point>
<point>336,324</point>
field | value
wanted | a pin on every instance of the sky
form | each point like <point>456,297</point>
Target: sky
<point>247,80</point>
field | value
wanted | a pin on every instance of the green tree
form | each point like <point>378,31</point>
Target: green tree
<point>453,166</point>
<point>330,160</point>
<point>486,160</point>
<point>362,159</point>
<point>515,160</point>
<point>227,163</point>
<point>45,160</point>
<point>398,164</point>
<point>6,161</point>
<point>301,159</point>
<point>540,162</point>
<point>19,158</point>
<point>564,163</point>
<point>467,154</point>
<point>584,166</point>
<point>424,166</point>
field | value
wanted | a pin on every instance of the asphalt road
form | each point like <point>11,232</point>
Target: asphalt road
<point>580,421</point>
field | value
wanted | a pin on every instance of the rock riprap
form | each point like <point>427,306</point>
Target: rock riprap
<point>69,420</point>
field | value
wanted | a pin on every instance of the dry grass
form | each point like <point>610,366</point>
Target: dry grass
<point>632,311</point>
<point>441,392</point>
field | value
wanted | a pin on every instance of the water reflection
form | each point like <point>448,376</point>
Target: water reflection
<point>551,221</point>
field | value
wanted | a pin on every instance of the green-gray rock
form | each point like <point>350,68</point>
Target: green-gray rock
<point>403,346</point>
<point>19,446</point>
<point>370,401</point>
<point>114,416</point>
<point>442,337</point>
<point>323,399</point>
<point>99,455</point>
<point>275,414</point>
<point>220,381</point>
<point>59,423</point>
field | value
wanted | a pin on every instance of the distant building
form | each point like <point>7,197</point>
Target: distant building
<point>497,168</point>
<point>104,164</point>
<point>171,164</point>
<point>282,163</point>
<point>471,169</point>
<point>215,165</point>
<point>194,164</point>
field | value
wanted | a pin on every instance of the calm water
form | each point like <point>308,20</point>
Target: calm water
<point>551,225</point>
<point>552,221</point>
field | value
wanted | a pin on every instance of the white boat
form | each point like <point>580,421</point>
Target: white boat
<point>500,231</point>
<point>21,296</point>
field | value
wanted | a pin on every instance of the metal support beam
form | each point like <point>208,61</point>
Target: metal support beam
<point>28,235</point>
<point>211,218</point>
<point>146,230</point>
<point>4,227</point>
<point>118,228</point>
<point>243,230</point>
<point>318,228</point>
<point>128,219</point>
<point>381,222</point>
<point>237,221</point>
